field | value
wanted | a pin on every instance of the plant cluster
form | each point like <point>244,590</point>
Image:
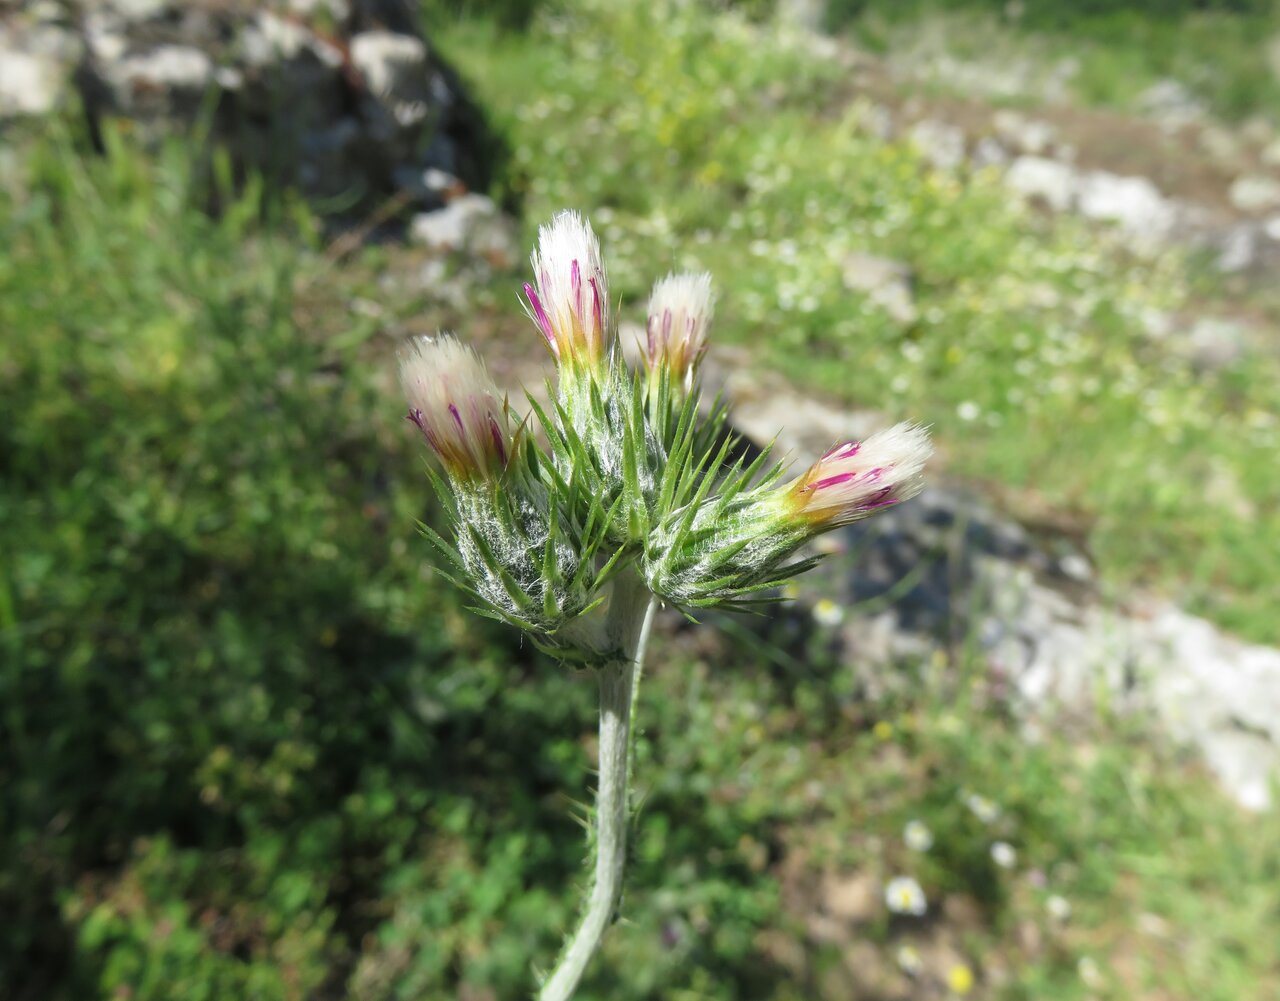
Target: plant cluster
<point>631,481</point>
<point>633,500</point>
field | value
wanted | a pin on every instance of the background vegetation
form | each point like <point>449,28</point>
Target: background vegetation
<point>253,748</point>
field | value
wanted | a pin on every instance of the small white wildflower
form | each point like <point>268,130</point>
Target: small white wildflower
<point>917,836</point>
<point>982,808</point>
<point>1004,855</point>
<point>827,613</point>
<point>968,411</point>
<point>1089,972</point>
<point>1059,908</point>
<point>909,961</point>
<point>903,895</point>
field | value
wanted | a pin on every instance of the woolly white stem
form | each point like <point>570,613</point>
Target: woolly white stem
<point>630,617</point>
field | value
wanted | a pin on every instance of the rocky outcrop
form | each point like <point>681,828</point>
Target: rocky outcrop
<point>342,99</point>
<point>948,572</point>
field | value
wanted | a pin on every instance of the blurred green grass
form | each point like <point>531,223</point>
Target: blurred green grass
<point>1216,49</point>
<point>253,748</point>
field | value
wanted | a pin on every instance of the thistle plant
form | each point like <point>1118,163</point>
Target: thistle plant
<point>575,521</point>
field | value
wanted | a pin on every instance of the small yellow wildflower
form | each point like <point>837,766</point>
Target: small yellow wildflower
<point>960,979</point>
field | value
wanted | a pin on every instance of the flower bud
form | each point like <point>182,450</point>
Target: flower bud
<point>680,311</point>
<point>856,479</point>
<point>457,407</point>
<point>569,300</point>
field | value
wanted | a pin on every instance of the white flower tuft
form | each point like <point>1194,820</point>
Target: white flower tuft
<point>856,479</point>
<point>569,297</point>
<point>456,405</point>
<point>680,310</point>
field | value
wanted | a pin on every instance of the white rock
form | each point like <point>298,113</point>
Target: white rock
<point>1220,143</point>
<point>136,10</point>
<point>1172,103</point>
<point>270,39</point>
<point>1022,134</point>
<point>385,58</point>
<point>339,10</point>
<point>1043,180</point>
<point>1206,689</point>
<point>1237,249</point>
<point>1134,203</point>
<point>470,222</point>
<point>1255,193</point>
<point>169,67</point>
<point>29,84</point>
<point>886,282</point>
<point>1214,342</point>
<point>989,153</point>
<point>940,143</point>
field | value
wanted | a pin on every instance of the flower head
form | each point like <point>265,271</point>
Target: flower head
<point>855,479</point>
<point>1004,854</point>
<point>909,960</point>
<point>982,808</point>
<point>456,406</point>
<point>569,296</point>
<point>917,836</point>
<point>904,896</point>
<point>680,310</point>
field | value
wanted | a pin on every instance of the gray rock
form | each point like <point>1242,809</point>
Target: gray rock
<point>1214,343</point>
<point>1171,103</point>
<point>1044,181</point>
<point>339,10</point>
<point>1023,134</point>
<point>1271,153</point>
<point>1237,249</point>
<point>1255,193</point>
<point>343,99</point>
<point>989,153</point>
<point>1220,143</point>
<point>942,144</point>
<point>887,283</point>
<point>133,11</point>
<point>169,79</point>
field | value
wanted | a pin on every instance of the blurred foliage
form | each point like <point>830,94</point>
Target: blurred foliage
<point>251,747</point>
<point>1055,13</point>
<point>1217,49</point>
